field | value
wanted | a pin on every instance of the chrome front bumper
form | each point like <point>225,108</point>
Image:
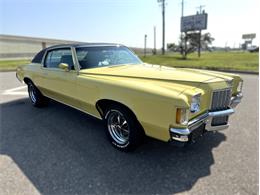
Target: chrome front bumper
<point>204,121</point>
<point>235,100</point>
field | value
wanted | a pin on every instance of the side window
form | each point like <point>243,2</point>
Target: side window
<point>57,56</point>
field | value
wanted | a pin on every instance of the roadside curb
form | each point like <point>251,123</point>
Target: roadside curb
<point>239,72</point>
<point>221,70</point>
<point>7,70</point>
<point>231,71</point>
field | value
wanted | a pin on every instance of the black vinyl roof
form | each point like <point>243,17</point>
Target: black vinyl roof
<point>38,57</point>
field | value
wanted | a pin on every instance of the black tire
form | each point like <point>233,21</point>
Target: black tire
<point>37,99</point>
<point>135,134</point>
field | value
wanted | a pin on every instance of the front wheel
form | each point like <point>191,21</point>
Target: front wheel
<point>37,99</point>
<point>123,129</point>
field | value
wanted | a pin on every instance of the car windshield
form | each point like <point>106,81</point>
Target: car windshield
<point>100,56</point>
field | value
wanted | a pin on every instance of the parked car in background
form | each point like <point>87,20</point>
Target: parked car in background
<point>134,99</point>
<point>253,49</point>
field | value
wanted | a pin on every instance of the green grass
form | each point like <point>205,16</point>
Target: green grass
<point>8,65</point>
<point>235,61</point>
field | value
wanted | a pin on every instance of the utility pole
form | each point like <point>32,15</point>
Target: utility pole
<point>145,40</point>
<point>163,25</point>
<point>182,8</point>
<point>199,44</point>
<point>154,39</point>
<point>183,38</point>
<point>200,12</point>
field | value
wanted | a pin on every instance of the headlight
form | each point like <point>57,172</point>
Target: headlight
<point>195,103</point>
<point>182,116</point>
<point>239,87</point>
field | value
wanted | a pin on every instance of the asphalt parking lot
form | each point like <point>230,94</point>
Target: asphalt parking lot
<point>58,150</point>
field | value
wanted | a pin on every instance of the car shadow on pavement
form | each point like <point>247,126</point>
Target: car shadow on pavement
<point>64,151</point>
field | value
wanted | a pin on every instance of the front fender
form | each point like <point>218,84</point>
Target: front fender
<point>154,107</point>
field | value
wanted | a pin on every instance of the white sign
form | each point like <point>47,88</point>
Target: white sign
<point>194,22</point>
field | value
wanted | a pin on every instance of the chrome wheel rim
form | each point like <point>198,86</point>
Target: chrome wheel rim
<point>32,93</point>
<point>118,127</point>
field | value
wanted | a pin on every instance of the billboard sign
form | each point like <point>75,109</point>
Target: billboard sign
<point>194,22</point>
<point>249,36</point>
<point>248,42</point>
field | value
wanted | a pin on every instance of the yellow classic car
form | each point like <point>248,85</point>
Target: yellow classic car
<point>110,82</point>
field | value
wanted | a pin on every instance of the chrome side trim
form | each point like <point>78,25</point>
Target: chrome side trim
<point>74,107</point>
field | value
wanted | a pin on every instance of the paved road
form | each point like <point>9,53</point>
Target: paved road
<point>59,150</point>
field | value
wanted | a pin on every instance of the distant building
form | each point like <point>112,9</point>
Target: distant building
<point>20,47</point>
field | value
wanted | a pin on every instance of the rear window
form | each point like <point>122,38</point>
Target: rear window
<point>38,57</point>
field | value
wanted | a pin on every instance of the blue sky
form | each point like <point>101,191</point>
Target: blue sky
<point>125,21</point>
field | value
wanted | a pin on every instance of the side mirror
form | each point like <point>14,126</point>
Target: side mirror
<point>64,66</point>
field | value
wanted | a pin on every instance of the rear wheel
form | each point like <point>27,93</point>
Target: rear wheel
<point>123,129</point>
<point>37,99</point>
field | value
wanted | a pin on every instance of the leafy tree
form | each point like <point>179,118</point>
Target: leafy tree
<point>172,47</point>
<point>206,40</point>
<point>192,42</point>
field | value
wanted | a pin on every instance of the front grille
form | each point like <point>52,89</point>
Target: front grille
<point>220,99</point>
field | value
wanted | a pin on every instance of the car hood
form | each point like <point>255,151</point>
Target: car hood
<point>163,81</point>
<point>158,73</point>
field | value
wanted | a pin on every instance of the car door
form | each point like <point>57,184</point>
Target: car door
<point>58,83</point>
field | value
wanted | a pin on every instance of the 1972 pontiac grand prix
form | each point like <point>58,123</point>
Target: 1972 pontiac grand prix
<point>110,82</point>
